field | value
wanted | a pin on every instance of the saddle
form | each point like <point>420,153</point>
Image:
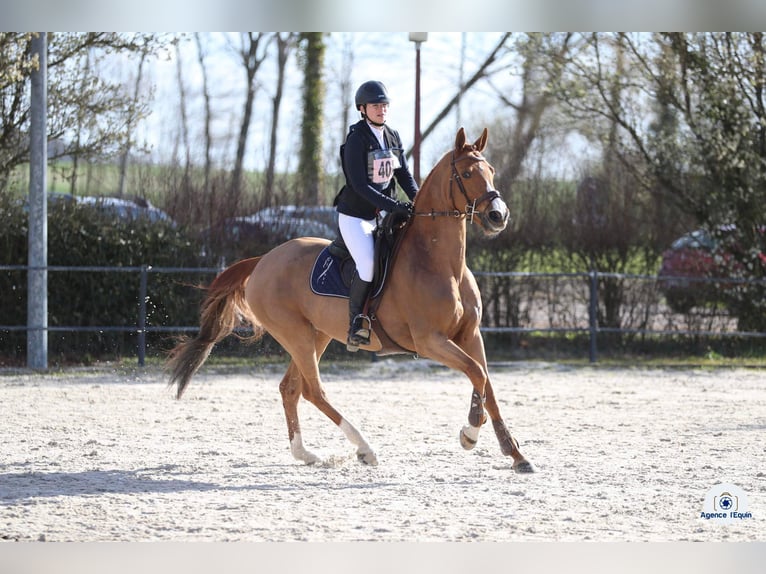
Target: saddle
<point>334,267</point>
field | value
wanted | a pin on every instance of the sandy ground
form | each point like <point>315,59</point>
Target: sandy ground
<point>622,455</point>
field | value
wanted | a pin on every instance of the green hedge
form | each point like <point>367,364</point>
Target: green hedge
<point>83,236</point>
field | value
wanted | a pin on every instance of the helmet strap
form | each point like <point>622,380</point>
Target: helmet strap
<point>366,117</point>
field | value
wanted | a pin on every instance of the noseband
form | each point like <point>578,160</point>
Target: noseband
<point>470,206</point>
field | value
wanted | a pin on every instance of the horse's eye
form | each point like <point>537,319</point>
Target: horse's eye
<point>466,174</point>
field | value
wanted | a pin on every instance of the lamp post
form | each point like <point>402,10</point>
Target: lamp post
<point>418,38</point>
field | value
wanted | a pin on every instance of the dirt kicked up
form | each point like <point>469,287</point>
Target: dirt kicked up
<point>621,455</point>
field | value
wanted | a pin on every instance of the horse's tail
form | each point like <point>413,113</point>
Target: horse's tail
<point>222,311</point>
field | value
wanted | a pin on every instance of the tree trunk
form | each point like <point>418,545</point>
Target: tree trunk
<point>131,119</point>
<point>310,172</point>
<point>283,52</point>
<point>184,118</point>
<point>251,60</point>
<point>207,192</point>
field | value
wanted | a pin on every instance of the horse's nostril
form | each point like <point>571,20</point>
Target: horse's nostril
<point>497,217</point>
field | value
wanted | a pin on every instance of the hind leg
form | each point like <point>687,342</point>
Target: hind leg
<point>314,393</point>
<point>303,379</point>
<point>282,304</point>
<point>291,388</point>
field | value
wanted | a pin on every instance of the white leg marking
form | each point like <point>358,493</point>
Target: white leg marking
<point>363,451</point>
<point>299,451</point>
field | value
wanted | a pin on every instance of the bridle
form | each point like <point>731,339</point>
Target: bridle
<point>470,206</point>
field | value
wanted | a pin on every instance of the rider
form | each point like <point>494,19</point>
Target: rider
<point>372,157</point>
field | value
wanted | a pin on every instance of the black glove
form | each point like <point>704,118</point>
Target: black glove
<point>403,208</point>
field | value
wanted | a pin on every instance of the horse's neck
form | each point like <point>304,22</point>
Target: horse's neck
<point>437,242</point>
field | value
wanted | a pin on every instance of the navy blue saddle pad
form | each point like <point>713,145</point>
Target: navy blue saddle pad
<point>331,275</point>
<point>327,275</point>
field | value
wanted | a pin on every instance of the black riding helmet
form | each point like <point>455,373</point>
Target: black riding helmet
<point>372,92</point>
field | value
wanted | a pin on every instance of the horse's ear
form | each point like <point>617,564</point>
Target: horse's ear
<point>481,143</point>
<point>460,139</point>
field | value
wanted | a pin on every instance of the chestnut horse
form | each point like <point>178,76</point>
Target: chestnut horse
<point>430,306</point>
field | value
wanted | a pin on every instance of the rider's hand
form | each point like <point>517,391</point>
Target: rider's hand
<point>403,208</point>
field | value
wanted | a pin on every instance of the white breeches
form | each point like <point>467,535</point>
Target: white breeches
<point>357,234</point>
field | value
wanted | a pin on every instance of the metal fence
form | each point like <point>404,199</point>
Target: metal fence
<point>599,303</point>
<point>141,328</point>
<point>514,302</point>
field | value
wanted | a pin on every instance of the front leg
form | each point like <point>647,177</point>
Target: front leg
<point>508,444</point>
<point>510,447</point>
<point>469,435</point>
<point>450,354</point>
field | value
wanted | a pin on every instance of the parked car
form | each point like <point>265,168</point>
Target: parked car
<point>692,263</point>
<point>124,208</point>
<point>321,213</point>
<point>53,198</point>
<point>245,236</point>
<point>276,229</point>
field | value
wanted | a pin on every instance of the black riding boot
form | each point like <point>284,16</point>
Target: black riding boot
<point>359,329</point>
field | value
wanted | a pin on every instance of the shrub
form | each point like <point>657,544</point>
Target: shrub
<point>83,236</point>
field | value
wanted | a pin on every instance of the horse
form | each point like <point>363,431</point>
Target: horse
<point>430,305</point>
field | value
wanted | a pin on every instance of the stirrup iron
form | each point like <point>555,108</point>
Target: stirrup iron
<point>359,333</point>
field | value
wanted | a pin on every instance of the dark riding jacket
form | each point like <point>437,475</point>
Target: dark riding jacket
<point>372,172</point>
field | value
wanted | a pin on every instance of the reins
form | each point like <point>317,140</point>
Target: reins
<point>469,211</point>
<point>470,206</point>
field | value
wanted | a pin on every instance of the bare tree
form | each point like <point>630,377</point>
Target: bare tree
<point>134,114</point>
<point>541,57</point>
<point>81,120</point>
<point>284,45</point>
<point>252,52</point>
<point>182,105</point>
<point>482,72</point>
<point>346,89</point>
<point>74,91</point>
<point>679,117</point>
<point>15,68</point>
<point>207,136</point>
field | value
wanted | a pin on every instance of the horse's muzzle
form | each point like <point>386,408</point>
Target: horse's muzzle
<point>495,217</point>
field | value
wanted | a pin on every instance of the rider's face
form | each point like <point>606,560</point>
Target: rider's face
<point>377,112</point>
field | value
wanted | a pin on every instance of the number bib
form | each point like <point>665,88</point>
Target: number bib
<point>381,165</point>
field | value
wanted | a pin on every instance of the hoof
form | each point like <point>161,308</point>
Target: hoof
<point>524,467</point>
<point>300,453</point>
<point>466,440</point>
<point>367,458</point>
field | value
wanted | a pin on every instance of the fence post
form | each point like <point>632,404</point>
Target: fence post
<point>37,235</point>
<point>142,316</point>
<point>593,314</point>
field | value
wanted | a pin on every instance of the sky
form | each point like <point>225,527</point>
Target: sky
<point>386,56</point>
<point>382,49</point>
